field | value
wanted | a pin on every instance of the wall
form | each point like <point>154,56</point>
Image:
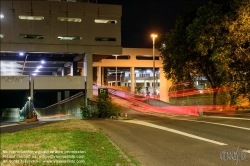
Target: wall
<point>51,27</point>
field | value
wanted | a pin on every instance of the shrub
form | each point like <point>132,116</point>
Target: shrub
<point>106,107</point>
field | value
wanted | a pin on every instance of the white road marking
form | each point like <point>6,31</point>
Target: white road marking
<point>9,125</point>
<point>173,131</point>
<point>227,117</point>
<point>238,127</point>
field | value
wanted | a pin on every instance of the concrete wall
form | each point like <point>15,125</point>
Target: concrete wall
<point>54,83</point>
<point>14,82</point>
<point>42,82</point>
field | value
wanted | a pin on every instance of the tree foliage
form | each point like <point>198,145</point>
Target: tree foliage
<point>212,41</point>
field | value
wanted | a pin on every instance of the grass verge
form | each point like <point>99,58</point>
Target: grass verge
<point>69,142</point>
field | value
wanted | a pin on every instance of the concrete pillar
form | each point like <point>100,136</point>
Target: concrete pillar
<point>132,78</point>
<point>102,77</point>
<point>164,86</point>
<point>71,69</point>
<point>59,96</point>
<point>99,75</point>
<point>88,73</point>
<point>82,71</point>
<point>116,77</point>
<point>31,88</point>
<point>74,69</point>
<point>65,71</point>
<point>66,94</point>
<point>31,99</point>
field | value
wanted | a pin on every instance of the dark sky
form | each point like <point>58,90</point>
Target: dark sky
<point>141,18</point>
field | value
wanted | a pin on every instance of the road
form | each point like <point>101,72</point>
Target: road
<point>13,127</point>
<point>172,140</point>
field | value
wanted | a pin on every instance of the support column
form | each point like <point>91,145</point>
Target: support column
<point>31,99</point>
<point>116,77</point>
<point>82,71</point>
<point>99,75</point>
<point>71,69</point>
<point>59,96</point>
<point>164,86</point>
<point>132,78</point>
<point>102,77</point>
<point>74,69</point>
<point>66,94</point>
<point>88,60</point>
<point>65,71</point>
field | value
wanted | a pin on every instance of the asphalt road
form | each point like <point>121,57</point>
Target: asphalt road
<point>13,127</point>
<point>174,140</point>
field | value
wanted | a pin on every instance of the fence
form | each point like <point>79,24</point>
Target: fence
<point>65,109</point>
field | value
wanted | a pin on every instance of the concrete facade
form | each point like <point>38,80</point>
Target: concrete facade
<point>60,19</point>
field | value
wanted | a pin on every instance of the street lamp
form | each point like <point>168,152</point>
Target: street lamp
<point>154,36</point>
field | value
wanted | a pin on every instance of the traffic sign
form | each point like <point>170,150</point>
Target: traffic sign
<point>103,91</point>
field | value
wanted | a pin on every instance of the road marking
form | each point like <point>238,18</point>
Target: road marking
<point>238,127</point>
<point>173,131</point>
<point>227,117</point>
<point>9,125</point>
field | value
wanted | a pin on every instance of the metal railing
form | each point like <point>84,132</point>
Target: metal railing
<point>65,109</point>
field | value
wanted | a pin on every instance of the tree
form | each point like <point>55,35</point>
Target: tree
<point>210,42</point>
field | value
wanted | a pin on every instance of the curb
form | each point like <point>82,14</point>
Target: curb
<point>119,150</point>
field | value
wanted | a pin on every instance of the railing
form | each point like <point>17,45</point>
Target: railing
<point>65,109</point>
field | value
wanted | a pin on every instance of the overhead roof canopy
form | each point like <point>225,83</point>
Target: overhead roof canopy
<point>39,63</point>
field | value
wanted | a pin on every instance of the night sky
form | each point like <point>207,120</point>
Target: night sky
<point>141,18</point>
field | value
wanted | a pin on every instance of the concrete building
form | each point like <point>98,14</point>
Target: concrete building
<point>69,38</point>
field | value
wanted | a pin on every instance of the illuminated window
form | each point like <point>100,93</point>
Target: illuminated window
<point>119,57</point>
<point>105,39</point>
<point>1,16</point>
<point>26,36</point>
<point>104,21</point>
<point>69,38</point>
<point>1,35</point>
<point>69,19</point>
<point>22,17</point>
<point>147,57</point>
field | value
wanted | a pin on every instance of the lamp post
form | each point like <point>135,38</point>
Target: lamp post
<point>29,109</point>
<point>154,36</point>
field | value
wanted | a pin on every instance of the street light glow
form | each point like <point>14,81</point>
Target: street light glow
<point>154,36</point>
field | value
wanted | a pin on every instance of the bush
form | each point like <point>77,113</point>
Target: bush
<point>104,107</point>
<point>88,111</point>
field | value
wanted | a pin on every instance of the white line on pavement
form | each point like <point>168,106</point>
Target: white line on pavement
<point>238,127</point>
<point>227,117</point>
<point>9,125</point>
<point>173,131</point>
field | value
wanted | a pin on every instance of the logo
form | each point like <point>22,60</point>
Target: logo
<point>237,155</point>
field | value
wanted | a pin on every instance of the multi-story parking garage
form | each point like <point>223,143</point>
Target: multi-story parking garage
<point>51,50</point>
